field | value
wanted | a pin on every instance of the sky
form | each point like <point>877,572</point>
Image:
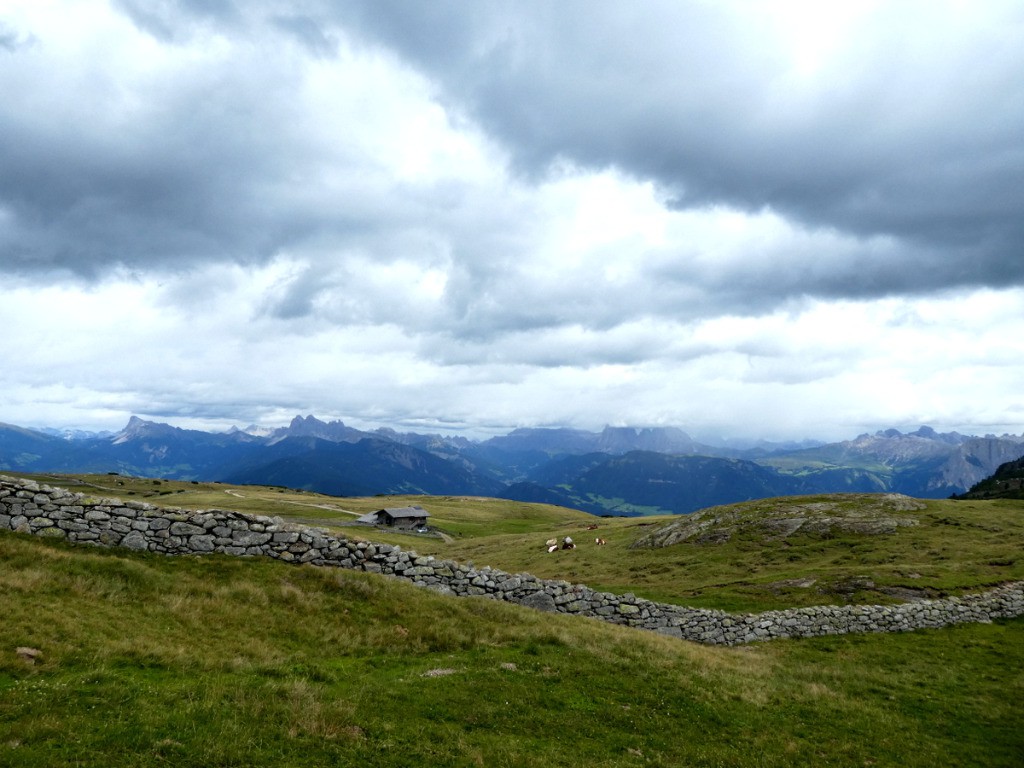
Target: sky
<point>776,220</point>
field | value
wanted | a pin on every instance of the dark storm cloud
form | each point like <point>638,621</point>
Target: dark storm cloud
<point>909,145</point>
<point>211,159</point>
<point>915,132</point>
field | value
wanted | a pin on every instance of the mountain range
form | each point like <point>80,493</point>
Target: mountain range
<point>619,471</point>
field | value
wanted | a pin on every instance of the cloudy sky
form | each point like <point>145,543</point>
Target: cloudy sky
<point>787,219</point>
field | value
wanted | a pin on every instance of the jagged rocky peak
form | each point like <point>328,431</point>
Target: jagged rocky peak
<point>134,422</point>
<point>308,422</point>
<point>624,439</point>
<point>136,428</point>
<point>924,432</point>
<point>311,426</point>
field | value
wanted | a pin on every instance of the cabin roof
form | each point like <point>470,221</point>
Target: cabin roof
<point>396,512</point>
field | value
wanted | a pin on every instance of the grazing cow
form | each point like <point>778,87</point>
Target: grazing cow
<point>567,543</point>
<point>600,542</point>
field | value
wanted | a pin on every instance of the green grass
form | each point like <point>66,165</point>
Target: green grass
<point>955,547</point>
<point>218,661</point>
<point>459,516</point>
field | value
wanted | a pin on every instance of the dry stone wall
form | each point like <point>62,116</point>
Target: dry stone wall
<point>28,507</point>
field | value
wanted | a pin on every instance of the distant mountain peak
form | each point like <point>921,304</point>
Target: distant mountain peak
<point>311,426</point>
<point>923,432</point>
<point>300,422</point>
<point>256,430</point>
<point>136,428</point>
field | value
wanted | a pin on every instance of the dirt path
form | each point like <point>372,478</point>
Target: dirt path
<point>329,507</point>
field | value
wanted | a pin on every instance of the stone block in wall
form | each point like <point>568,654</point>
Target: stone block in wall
<point>202,543</point>
<point>250,538</point>
<point>186,529</point>
<point>510,584</point>
<point>135,540</point>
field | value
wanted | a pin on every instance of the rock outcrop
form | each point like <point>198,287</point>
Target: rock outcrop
<point>869,515</point>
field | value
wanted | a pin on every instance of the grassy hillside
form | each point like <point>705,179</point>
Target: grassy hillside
<point>218,661</point>
<point>462,516</point>
<point>951,547</point>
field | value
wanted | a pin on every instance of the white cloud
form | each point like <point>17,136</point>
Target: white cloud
<point>131,344</point>
<point>233,216</point>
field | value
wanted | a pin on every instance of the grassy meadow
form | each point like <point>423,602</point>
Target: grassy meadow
<point>953,547</point>
<point>217,661</point>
